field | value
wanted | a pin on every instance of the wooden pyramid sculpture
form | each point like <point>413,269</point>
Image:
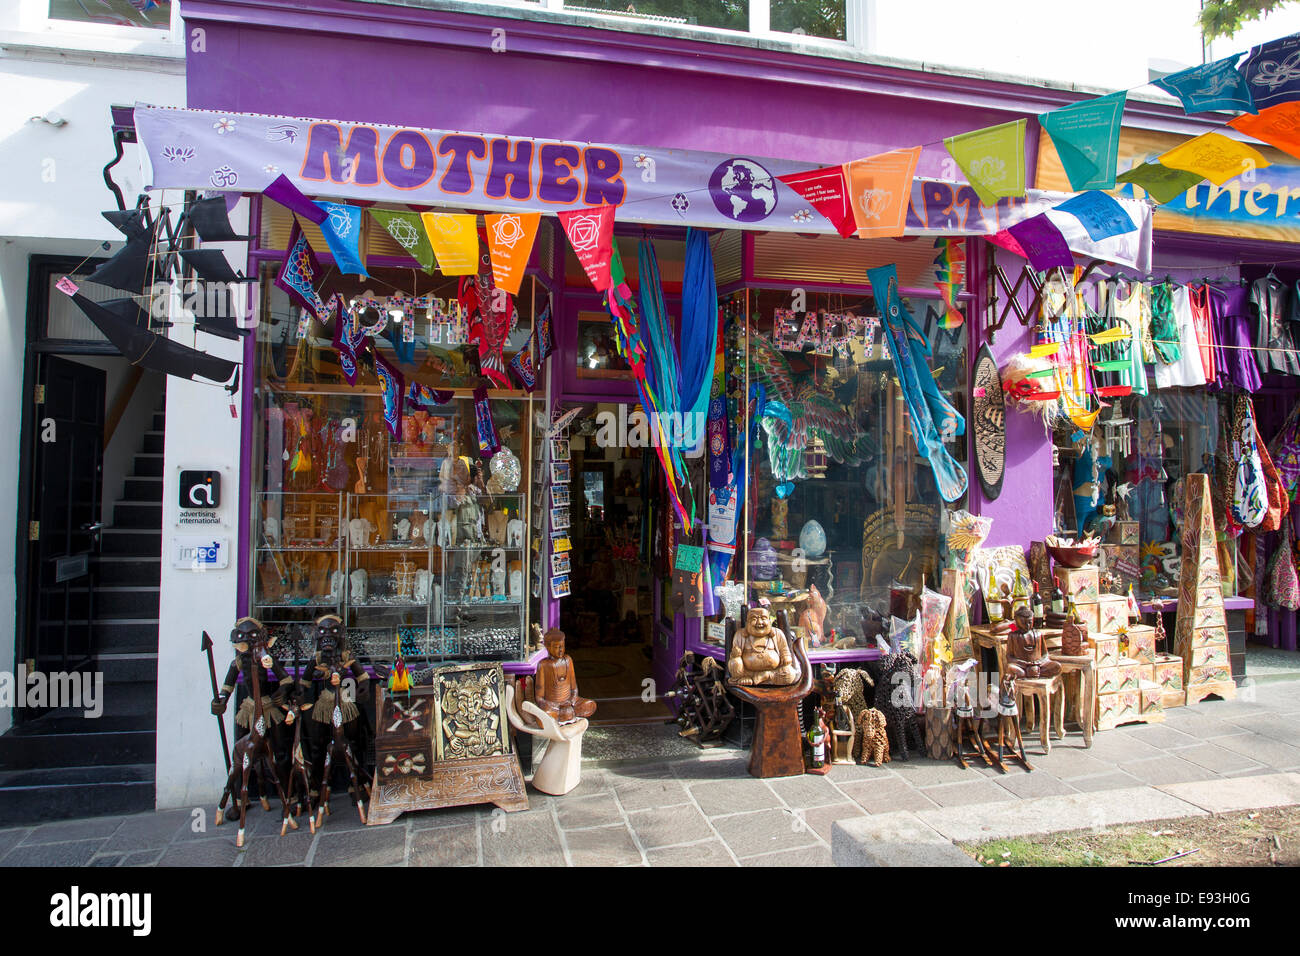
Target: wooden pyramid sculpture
<point>1202,630</point>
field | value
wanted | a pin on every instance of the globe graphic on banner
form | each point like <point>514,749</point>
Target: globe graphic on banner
<point>743,190</point>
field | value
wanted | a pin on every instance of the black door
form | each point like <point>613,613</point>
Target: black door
<point>68,461</point>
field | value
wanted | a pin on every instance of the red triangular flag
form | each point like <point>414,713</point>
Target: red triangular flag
<point>828,192</point>
<point>591,234</point>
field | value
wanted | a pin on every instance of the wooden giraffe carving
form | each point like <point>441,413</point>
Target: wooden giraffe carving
<point>299,784</point>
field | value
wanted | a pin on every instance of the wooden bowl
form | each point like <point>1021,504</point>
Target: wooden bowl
<point>1074,557</point>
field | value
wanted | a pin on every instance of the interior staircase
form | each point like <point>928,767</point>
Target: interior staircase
<point>62,765</point>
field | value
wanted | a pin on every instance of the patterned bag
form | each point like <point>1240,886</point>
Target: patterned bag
<point>1282,587</point>
<point>1285,450</point>
<point>1249,494</point>
<point>1278,502</point>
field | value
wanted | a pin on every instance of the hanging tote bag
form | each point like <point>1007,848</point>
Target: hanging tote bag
<point>1275,490</point>
<point>1282,586</point>
<point>1249,495</point>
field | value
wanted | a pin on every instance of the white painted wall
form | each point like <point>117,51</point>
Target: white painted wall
<point>52,191</point>
<point>201,434</point>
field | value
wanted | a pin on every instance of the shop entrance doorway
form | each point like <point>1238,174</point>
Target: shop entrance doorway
<point>608,616</point>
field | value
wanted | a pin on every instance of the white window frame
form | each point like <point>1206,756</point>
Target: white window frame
<point>34,17</point>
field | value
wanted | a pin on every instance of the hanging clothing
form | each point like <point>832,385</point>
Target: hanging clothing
<point>1198,296</point>
<point>1235,360</point>
<point>1273,333</point>
<point>1130,311</point>
<point>1186,369</point>
<point>1164,326</point>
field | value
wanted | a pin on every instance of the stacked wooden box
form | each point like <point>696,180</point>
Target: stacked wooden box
<point>1202,628</point>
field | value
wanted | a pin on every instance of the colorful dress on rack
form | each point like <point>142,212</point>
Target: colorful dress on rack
<point>1185,369</point>
<point>1273,339</point>
<point>1129,311</point>
<point>1198,296</point>
<point>1234,361</point>
<point>1164,326</point>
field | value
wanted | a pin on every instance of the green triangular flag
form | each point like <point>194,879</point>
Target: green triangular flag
<point>993,160</point>
<point>1086,136</point>
<point>1161,183</point>
<point>408,231</point>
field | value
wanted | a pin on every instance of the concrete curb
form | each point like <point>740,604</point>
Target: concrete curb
<point>929,837</point>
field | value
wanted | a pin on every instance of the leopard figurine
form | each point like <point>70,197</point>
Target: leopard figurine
<point>872,739</point>
<point>850,700</point>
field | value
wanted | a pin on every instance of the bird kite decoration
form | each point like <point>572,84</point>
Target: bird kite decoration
<point>794,418</point>
<point>399,680</point>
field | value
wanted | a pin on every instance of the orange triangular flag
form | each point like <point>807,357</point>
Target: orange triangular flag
<point>880,191</point>
<point>510,242</point>
<point>1278,126</point>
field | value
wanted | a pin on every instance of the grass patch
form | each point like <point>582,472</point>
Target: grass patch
<point>1251,838</point>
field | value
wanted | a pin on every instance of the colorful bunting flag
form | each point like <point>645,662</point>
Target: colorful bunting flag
<point>1212,86</point>
<point>1086,137</point>
<point>341,228</point>
<point>1042,242</point>
<point>880,191</point>
<point>1272,71</point>
<point>993,160</point>
<point>827,191</point>
<point>408,232</point>
<point>510,242</point>
<point>1160,182</point>
<point>1278,126</point>
<point>289,196</point>
<point>349,340</point>
<point>1101,215</point>
<point>591,234</point>
<point>392,388</point>
<point>1215,157</point>
<point>454,238</point>
<point>297,275</point>
<point>485,429</point>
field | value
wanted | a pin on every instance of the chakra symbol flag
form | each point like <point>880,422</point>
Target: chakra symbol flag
<point>406,230</point>
<point>1272,71</point>
<point>591,234</point>
<point>1213,86</point>
<point>297,276</point>
<point>341,228</point>
<point>1277,125</point>
<point>510,242</point>
<point>454,237</point>
<point>1086,137</point>
<point>993,160</point>
<point>880,191</point>
<point>1215,157</point>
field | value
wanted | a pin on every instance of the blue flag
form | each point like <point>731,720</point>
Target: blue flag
<point>1101,215</point>
<point>1272,71</point>
<point>342,230</point>
<point>1212,86</point>
<point>1086,137</point>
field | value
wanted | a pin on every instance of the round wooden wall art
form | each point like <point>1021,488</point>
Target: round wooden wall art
<point>989,413</point>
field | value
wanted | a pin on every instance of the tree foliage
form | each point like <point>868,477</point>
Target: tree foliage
<point>1223,18</point>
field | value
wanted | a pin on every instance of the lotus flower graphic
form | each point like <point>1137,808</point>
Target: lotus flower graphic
<point>989,170</point>
<point>445,224</point>
<point>181,154</point>
<point>874,202</point>
<point>584,233</point>
<point>507,231</point>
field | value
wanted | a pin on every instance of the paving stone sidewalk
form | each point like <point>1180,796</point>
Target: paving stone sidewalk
<point>701,811</point>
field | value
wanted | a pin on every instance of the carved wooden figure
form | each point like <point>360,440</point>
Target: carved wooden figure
<point>252,752</point>
<point>754,660</point>
<point>298,791</point>
<point>338,748</point>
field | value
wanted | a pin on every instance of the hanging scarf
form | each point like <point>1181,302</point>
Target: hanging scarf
<point>1164,326</point>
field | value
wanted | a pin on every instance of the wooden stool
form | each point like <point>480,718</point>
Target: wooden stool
<point>1044,691</point>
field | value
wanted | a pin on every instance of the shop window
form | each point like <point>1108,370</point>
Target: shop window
<point>809,17</point>
<point>725,15</point>
<point>382,529</point>
<point>152,15</point>
<point>1132,466</point>
<point>839,499</point>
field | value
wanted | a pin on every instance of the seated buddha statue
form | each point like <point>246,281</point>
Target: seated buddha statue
<point>557,685</point>
<point>760,653</point>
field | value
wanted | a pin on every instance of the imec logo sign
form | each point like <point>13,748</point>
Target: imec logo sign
<point>200,489</point>
<point>196,553</point>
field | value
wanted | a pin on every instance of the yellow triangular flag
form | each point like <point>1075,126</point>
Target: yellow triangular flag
<point>1214,156</point>
<point>454,237</point>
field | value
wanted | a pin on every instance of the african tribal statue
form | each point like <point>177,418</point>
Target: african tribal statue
<point>335,710</point>
<point>968,723</point>
<point>760,654</point>
<point>1027,650</point>
<point>253,750</point>
<point>557,685</point>
<point>1009,726</point>
<point>298,791</point>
